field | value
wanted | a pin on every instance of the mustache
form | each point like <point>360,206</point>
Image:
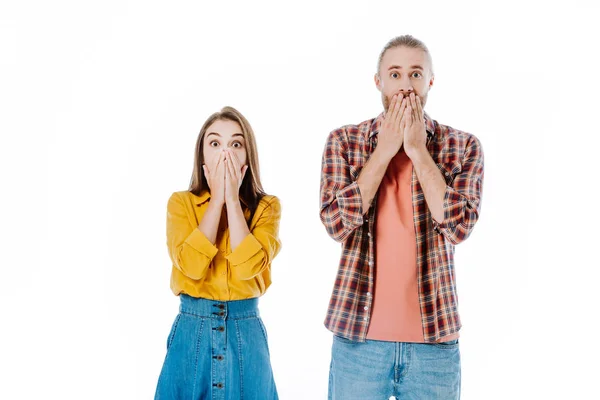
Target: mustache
<point>405,95</point>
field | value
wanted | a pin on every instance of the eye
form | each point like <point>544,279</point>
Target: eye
<point>237,145</point>
<point>416,74</point>
<point>214,143</point>
<point>395,75</point>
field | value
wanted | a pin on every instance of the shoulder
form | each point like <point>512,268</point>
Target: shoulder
<point>181,199</point>
<point>456,137</point>
<point>351,133</point>
<point>181,196</point>
<point>269,206</point>
<point>269,201</point>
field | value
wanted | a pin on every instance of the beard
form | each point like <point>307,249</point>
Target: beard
<point>386,100</point>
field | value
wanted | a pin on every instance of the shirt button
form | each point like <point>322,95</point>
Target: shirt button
<point>219,385</point>
<point>370,263</point>
<point>369,234</point>
<point>366,308</point>
<point>221,329</point>
<point>366,318</point>
<point>224,273</point>
<point>220,358</point>
<point>446,173</point>
<point>368,294</point>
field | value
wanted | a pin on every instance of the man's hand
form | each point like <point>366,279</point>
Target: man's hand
<point>413,127</point>
<point>390,135</point>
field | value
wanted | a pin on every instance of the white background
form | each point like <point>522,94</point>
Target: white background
<point>100,107</point>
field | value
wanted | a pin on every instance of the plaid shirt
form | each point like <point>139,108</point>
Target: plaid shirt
<point>459,157</point>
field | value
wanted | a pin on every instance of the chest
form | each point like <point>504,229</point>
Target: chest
<point>447,154</point>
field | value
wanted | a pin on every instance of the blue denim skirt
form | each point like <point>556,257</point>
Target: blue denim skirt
<point>217,350</point>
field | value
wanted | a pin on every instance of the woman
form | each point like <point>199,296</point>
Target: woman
<point>222,235</point>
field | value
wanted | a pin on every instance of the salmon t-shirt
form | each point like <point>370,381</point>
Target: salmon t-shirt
<point>396,314</point>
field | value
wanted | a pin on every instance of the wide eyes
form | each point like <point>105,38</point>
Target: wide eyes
<point>236,144</point>
<point>396,75</point>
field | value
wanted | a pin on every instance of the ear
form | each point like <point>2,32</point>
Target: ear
<point>431,81</point>
<point>377,81</point>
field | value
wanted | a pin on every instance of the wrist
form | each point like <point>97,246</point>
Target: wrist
<point>232,200</point>
<point>217,201</point>
<point>383,154</point>
<point>416,153</point>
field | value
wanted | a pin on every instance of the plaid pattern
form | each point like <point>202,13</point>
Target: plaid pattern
<point>459,157</point>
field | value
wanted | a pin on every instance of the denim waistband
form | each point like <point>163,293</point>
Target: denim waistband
<point>219,309</point>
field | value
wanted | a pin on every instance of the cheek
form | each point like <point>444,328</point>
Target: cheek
<point>209,154</point>
<point>241,155</point>
<point>388,90</point>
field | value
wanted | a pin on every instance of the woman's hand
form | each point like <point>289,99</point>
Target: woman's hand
<point>234,175</point>
<point>215,176</point>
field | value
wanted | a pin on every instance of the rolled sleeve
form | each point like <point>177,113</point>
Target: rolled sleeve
<point>258,249</point>
<point>245,251</point>
<point>462,199</point>
<point>341,202</point>
<point>189,249</point>
<point>198,241</point>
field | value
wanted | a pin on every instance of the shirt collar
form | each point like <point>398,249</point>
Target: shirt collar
<point>430,125</point>
<point>205,196</point>
<point>202,198</point>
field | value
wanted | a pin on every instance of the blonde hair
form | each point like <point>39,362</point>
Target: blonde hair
<point>406,41</point>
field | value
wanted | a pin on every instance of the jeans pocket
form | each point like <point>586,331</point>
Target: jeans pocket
<point>341,339</point>
<point>264,331</point>
<point>451,344</point>
<point>173,330</point>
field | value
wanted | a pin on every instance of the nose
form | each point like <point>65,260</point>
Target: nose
<point>405,87</point>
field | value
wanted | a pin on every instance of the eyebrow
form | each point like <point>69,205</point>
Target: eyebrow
<point>215,133</point>
<point>399,67</point>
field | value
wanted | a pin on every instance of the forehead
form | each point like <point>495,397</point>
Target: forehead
<point>225,128</point>
<point>404,57</point>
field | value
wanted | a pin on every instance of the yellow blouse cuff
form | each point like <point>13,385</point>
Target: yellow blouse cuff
<point>244,251</point>
<point>199,242</point>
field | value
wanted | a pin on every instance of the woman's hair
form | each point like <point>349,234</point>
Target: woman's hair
<point>251,190</point>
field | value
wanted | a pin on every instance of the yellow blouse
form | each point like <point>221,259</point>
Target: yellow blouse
<point>213,271</point>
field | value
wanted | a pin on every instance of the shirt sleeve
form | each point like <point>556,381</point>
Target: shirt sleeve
<point>258,249</point>
<point>189,249</point>
<point>462,200</point>
<point>341,201</point>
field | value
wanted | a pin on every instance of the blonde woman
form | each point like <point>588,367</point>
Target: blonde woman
<point>222,235</point>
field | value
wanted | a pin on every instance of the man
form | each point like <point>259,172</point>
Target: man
<point>398,191</point>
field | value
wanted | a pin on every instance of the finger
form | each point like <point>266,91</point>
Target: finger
<point>420,109</point>
<point>397,114</point>
<point>219,159</point>
<point>225,162</point>
<point>406,118</point>
<point>392,108</point>
<point>230,169</point>
<point>236,162</point>
<point>221,173</point>
<point>413,106</point>
<point>402,110</point>
<point>388,112</point>
<point>408,114</point>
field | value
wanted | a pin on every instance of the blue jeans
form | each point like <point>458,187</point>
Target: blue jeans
<point>217,350</point>
<point>375,370</point>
